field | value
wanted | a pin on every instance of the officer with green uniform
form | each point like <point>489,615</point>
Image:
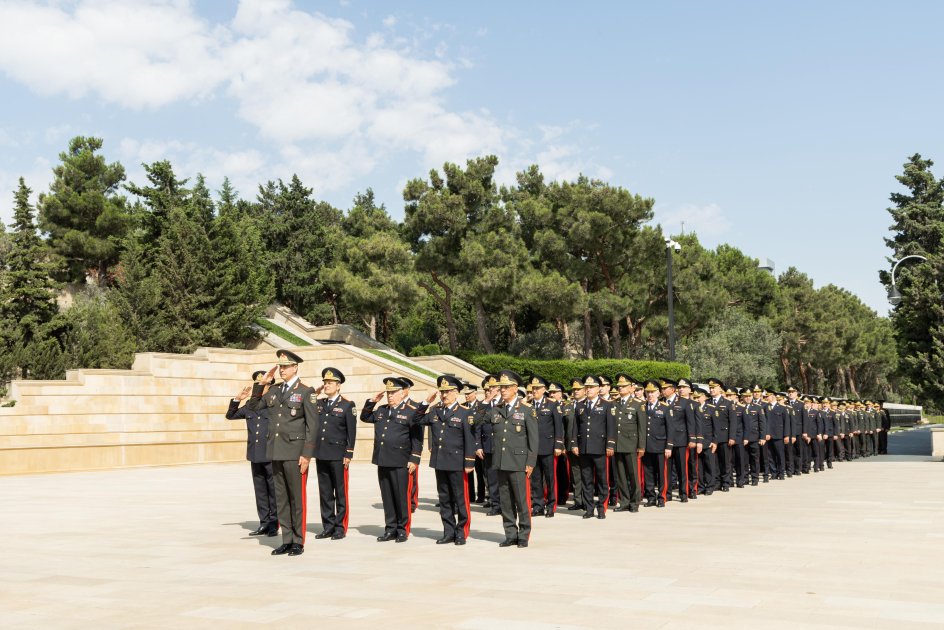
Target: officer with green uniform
<point>631,424</point>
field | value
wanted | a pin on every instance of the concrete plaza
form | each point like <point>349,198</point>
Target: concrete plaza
<point>859,546</point>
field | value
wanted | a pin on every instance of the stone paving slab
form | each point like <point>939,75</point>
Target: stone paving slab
<point>856,547</point>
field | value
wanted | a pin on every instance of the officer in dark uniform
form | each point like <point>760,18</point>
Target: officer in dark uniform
<point>800,435</point>
<point>885,421</point>
<point>631,424</point>
<point>658,446</point>
<point>578,398</point>
<point>550,445</point>
<point>682,431</point>
<point>827,415</point>
<point>594,442</point>
<point>555,392</point>
<point>414,485</point>
<point>516,451</point>
<point>398,445</point>
<point>707,458</point>
<point>718,412</point>
<point>482,433</point>
<point>290,445</point>
<point>334,450</point>
<point>737,416</point>
<point>754,433</point>
<point>778,425</point>
<point>257,425</point>
<point>695,439</point>
<point>452,457</point>
<point>470,392</point>
<point>817,418</point>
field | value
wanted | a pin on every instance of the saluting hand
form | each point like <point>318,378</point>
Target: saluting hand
<point>377,397</point>
<point>243,395</point>
<point>431,398</point>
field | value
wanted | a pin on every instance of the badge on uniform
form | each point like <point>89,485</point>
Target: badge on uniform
<point>313,398</point>
<point>293,412</point>
<point>517,428</point>
<point>518,416</point>
<point>295,398</point>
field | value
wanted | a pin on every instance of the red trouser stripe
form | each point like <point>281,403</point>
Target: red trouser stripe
<point>642,477</point>
<point>468,509</point>
<point>606,490</point>
<point>687,488</point>
<point>696,471</point>
<point>415,492</point>
<point>570,479</point>
<point>304,504</point>
<point>347,504</point>
<point>556,490</point>
<point>665,477</point>
<point>527,503</point>
<point>409,494</point>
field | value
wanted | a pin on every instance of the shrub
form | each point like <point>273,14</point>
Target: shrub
<point>562,370</point>
<point>425,350</point>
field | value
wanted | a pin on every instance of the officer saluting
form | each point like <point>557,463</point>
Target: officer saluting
<point>334,449</point>
<point>290,446</point>
<point>515,430</point>
<point>398,445</point>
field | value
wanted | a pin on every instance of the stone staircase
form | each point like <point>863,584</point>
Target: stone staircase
<point>169,408</point>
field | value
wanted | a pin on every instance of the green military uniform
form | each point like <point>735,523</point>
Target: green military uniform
<point>515,428</point>
<point>631,422</point>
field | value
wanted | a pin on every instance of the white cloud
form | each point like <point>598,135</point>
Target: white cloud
<point>389,21</point>
<point>708,220</point>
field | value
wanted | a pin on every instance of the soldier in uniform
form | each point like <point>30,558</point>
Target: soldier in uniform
<point>659,446</point>
<point>336,427</point>
<point>293,417</point>
<point>414,485</point>
<point>257,426</point>
<point>555,392</point>
<point>708,458</point>
<point>482,433</point>
<point>477,478</point>
<point>594,441</point>
<point>682,431</point>
<point>631,422</point>
<point>754,433</point>
<point>818,422</point>
<point>827,415</point>
<point>778,425</point>
<point>398,445</point>
<point>718,410</point>
<point>695,440</point>
<point>453,458</point>
<point>550,445</point>
<point>516,450</point>
<point>578,397</point>
<point>799,435</point>
<point>885,422</point>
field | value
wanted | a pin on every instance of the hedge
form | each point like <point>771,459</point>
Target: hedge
<point>563,370</point>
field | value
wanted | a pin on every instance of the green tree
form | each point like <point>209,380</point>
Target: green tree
<point>918,228</point>
<point>83,215</point>
<point>734,347</point>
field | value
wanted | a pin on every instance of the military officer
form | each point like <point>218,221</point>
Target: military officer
<point>334,450</point>
<point>754,432</point>
<point>594,441</point>
<point>718,412</point>
<point>799,438</point>
<point>550,446</point>
<point>631,422</point>
<point>414,485</point>
<point>827,415</point>
<point>482,433</point>
<point>290,445</point>
<point>818,428</point>
<point>398,446</point>
<point>257,426</point>
<point>578,398</point>
<point>778,426</point>
<point>555,392</point>
<point>708,458</point>
<point>452,457</point>
<point>682,431</point>
<point>738,408</point>
<point>695,440</point>
<point>470,394</point>
<point>658,446</point>
<point>515,429</point>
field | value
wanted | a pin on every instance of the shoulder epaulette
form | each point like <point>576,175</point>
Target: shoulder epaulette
<point>525,403</point>
<point>461,406</point>
<point>409,403</point>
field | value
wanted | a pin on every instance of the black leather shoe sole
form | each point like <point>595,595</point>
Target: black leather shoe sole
<point>386,537</point>
<point>323,535</point>
<point>278,551</point>
<point>460,541</point>
<point>522,544</point>
<point>401,539</point>
<point>297,550</point>
<point>338,536</point>
<point>445,541</point>
<point>508,543</point>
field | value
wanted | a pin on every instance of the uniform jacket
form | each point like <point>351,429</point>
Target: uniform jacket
<point>482,429</point>
<point>292,418</point>
<point>719,414</point>
<point>451,440</point>
<point>550,425</point>
<point>516,436</point>
<point>799,421</point>
<point>684,428</point>
<point>336,429</point>
<point>706,433</point>
<point>596,428</point>
<point>398,437</point>
<point>257,426</point>
<point>737,418</point>
<point>754,422</point>
<point>570,421</point>
<point>631,421</point>
<point>657,427</point>
<point>778,421</point>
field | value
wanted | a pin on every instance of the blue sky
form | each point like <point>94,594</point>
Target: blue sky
<point>777,128</point>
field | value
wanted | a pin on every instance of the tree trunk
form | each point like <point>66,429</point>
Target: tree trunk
<point>841,382</point>
<point>372,326</point>
<point>604,337</point>
<point>512,329</point>
<point>852,385</point>
<point>445,303</point>
<point>804,377</point>
<point>820,381</point>
<point>565,338</point>
<point>785,364</point>
<point>480,328</point>
<point>587,332</point>
<point>617,339</point>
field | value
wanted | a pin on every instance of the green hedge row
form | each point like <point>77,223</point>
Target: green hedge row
<point>563,370</point>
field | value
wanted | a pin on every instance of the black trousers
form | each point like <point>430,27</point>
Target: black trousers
<point>883,443</point>
<point>332,490</point>
<point>491,476</point>
<point>800,457</point>
<point>725,473</point>
<point>414,489</point>
<point>291,499</point>
<point>453,502</point>
<point>656,472</point>
<point>544,483</point>
<point>709,469</point>
<point>611,479</point>
<point>819,453</point>
<point>694,472</point>
<point>263,486</point>
<point>563,479</point>
<point>680,466</point>
<point>593,472</point>
<point>395,486</point>
<point>740,462</point>
<point>765,459</point>
<point>478,489</point>
<point>778,455</point>
<point>576,477</point>
<point>514,490</point>
<point>627,479</point>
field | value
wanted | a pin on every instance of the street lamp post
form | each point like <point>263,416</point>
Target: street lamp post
<point>894,295</point>
<point>669,246</point>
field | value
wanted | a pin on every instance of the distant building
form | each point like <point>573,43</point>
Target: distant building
<point>768,266</point>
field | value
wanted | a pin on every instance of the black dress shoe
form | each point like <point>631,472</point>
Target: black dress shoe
<point>574,507</point>
<point>588,514</point>
<point>766,479</point>
<point>601,514</point>
<point>620,508</point>
<point>633,508</point>
<point>740,485</point>
<point>460,541</point>
<point>401,538</point>
<point>708,492</point>
<point>660,503</point>
<point>537,512</point>
<point>444,540</point>
<point>522,544</point>
<point>325,534</point>
<point>693,497</point>
<point>493,512</point>
<point>272,531</point>
<point>754,483</point>
<point>549,513</point>
<point>487,504</point>
<point>508,542</point>
<point>259,531</point>
<point>278,551</point>
<point>650,502</point>
<point>338,535</point>
<point>683,499</point>
<point>296,550</point>
<point>387,536</point>
<point>725,489</point>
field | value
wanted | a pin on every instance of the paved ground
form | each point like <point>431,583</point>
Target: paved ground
<point>861,546</point>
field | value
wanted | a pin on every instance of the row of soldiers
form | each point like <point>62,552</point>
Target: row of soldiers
<point>608,443</point>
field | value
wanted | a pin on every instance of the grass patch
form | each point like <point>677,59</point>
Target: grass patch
<point>403,362</point>
<point>280,332</point>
